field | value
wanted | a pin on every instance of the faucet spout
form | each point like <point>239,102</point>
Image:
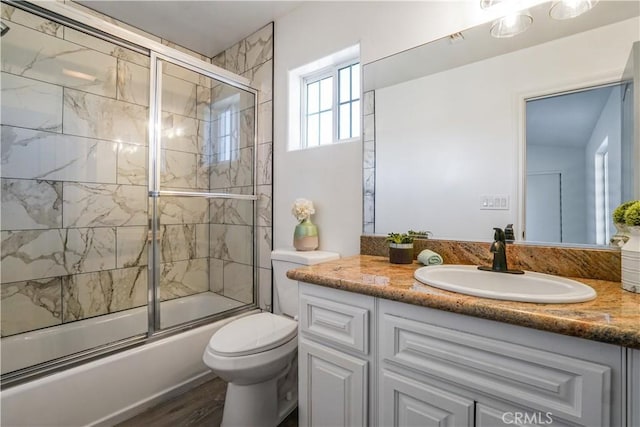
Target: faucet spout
<point>499,250</point>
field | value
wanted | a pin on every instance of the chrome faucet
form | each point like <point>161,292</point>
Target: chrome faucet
<point>499,251</point>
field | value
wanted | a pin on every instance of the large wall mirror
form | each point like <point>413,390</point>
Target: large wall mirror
<point>471,132</point>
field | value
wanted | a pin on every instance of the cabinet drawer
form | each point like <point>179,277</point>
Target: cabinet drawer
<point>570,388</point>
<point>331,321</point>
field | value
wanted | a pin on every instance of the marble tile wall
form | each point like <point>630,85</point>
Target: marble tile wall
<point>74,206</point>
<point>75,211</point>
<point>369,163</point>
<point>251,57</point>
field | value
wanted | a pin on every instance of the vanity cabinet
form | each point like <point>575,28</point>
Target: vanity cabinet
<point>334,357</point>
<point>372,361</point>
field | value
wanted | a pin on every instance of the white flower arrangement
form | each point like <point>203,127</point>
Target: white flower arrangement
<point>302,209</point>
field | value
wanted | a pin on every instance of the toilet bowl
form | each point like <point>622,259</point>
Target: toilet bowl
<point>252,349</point>
<point>257,354</point>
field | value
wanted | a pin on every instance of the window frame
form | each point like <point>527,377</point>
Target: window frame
<point>332,71</point>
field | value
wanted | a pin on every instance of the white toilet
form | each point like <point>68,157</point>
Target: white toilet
<point>257,354</point>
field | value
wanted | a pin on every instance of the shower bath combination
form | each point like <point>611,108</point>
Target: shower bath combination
<point>106,254</point>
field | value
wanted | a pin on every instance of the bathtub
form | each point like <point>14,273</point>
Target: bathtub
<point>116,387</point>
<point>35,347</point>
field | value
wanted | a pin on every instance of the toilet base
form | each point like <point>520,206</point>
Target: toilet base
<point>254,405</point>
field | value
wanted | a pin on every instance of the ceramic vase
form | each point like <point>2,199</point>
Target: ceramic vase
<point>622,235</point>
<point>400,253</point>
<point>305,236</point>
<point>631,261</point>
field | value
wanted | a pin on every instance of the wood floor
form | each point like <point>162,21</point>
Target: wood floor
<point>199,407</point>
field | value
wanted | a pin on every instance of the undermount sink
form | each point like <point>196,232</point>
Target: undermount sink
<point>527,287</point>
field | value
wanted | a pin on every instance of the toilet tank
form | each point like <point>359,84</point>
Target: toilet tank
<point>285,290</point>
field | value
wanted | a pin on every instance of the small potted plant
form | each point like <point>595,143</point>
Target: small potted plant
<point>631,249</point>
<point>400,248</point>
<point>621,237</point>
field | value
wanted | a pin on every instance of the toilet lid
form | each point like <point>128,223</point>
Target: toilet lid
<point>253,334</point>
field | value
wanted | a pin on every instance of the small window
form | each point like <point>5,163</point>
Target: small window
<point>331,105</point>
<point>225,128</point>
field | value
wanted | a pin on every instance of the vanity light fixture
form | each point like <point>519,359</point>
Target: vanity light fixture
<point>567,9</point>
<point>511,25</point>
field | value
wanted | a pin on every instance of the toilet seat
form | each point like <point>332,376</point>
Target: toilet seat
<point>252,334</point>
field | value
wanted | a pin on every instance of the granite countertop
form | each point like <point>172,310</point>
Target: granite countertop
<point>613,317</point>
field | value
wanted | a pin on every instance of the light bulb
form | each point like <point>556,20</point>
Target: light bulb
<point>567,9</point>
<point>511,25</point>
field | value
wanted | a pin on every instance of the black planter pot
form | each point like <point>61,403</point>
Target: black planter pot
<point>401,253</point>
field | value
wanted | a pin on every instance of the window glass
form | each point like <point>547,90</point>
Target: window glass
<point>326,94</point>
<point>313,97</point>
<point>332,106</point>
<point>355,81</point>
<point>313,131</point>
<point>326,128</point>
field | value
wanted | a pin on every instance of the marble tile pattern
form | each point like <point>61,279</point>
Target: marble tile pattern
<point>30,304</point>
<point>74,174</point>
<point>30,204</point>
<point>601,264</point>
<point>26,19</point>
<point>251,58</point>
<point>39,56</point>
<point>613,317</point>
<point>369,163</point>
<point>74,205</point>
<point>99,117</point>
<point>37,254</point>
<point>95,205</point>
<point>35,154</point>
<point>29,103</point>
<point>93,294</point>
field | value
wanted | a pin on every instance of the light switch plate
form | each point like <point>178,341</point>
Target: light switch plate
<point>498,202</point>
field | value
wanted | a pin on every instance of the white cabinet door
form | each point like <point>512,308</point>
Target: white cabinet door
<point>405,402</point>
<point>333,387</point>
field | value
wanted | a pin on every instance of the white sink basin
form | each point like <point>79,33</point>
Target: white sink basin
<point>527,287</point>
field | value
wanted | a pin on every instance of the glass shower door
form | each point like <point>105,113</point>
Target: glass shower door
<point>203,188</point>
<point>74,191</point>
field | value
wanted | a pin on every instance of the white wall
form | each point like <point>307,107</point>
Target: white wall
<point>570,163</point>
<point>607,127</point>
<point>456,147</point>
<point>331,176</point>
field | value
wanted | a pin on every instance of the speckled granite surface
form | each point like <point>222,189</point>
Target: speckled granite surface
<point>613,317</point>
<point>603,264</point>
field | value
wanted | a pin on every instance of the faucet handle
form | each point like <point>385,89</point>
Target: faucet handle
<point>509,234</point>
<point>499,236</point>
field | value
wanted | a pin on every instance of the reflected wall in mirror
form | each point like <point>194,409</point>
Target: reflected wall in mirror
<point>574,144</point>
<point>449,136</point>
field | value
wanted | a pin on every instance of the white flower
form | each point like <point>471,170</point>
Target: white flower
<point>302,209</point>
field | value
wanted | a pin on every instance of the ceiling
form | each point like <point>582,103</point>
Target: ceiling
<point>207,27</point>
<point>566,120</point>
